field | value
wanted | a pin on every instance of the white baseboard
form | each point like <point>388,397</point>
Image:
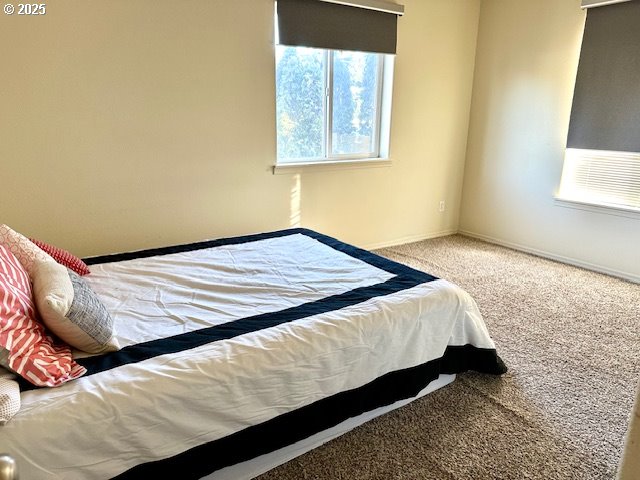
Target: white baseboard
<point>409,239</point>
<point>552,256</point>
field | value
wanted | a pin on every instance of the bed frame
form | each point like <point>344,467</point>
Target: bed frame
<point>8,469</point>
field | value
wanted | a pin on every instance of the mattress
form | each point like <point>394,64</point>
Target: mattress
<point>238,347</point>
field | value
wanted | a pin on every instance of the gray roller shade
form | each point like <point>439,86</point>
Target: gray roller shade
<point>319,24</point>
<point>606,104</point>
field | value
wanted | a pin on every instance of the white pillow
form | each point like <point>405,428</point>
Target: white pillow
<point>27,253</point>
<point>9,396</point>
<point>71,310</point>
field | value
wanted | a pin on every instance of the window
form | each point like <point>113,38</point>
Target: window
<point>610,179</point>
<point>334,67</point>
<point>328,104</point>
<point>602,160</point>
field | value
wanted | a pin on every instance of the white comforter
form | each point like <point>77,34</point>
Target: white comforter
<point>103,424</point>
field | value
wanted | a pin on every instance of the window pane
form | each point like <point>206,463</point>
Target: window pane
<point>300,81</point>
<point>355,102</point>
<point>601,177</point>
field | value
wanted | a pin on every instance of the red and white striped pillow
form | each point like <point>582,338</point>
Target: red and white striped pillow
<point>30,352</point>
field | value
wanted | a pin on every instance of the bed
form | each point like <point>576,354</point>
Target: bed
<point>238,354</point>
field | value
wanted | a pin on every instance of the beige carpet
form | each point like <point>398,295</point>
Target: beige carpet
<point>571,340</point>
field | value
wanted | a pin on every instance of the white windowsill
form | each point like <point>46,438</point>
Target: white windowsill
<point>598,208</point>
<point>290,168</point>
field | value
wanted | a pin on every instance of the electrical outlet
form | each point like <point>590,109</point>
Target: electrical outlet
<point>441,208</point>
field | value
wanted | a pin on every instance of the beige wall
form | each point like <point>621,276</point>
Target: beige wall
<point>126,125</point>
<point>527,56</point>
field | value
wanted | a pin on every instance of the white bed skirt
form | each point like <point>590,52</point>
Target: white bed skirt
<point>259,465</point>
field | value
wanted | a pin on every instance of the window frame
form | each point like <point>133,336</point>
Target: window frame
<point>383,79</point>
